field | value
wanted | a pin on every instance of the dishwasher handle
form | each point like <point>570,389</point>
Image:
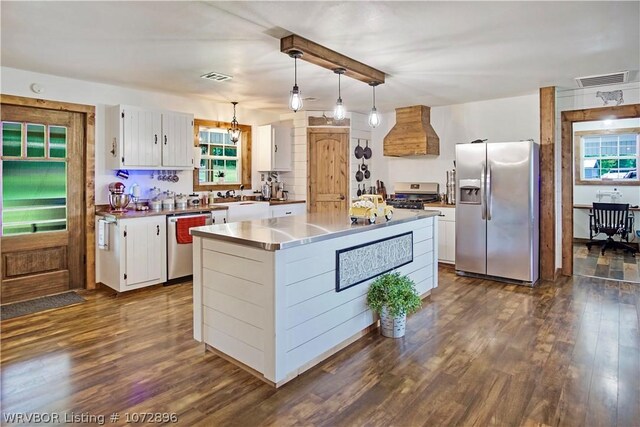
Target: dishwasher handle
<point>174,218</point>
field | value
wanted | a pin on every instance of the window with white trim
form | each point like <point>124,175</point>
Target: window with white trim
<point>221,161</point>
<point>609,156</point>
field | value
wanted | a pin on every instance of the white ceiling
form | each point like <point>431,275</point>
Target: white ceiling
<point>434,53</point>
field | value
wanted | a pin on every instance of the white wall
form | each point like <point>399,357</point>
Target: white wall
<point>505,119</point>
<point>18,82</point>
<point>579,99</point>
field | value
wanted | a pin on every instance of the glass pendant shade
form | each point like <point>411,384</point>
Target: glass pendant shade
<point>234,130</point>
<point>295,100</point>
<point>374,118</point>
<point>339,111</point>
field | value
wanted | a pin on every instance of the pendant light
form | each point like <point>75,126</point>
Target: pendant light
<point>339,112</point>
<point>295,100</point>
<point>374,118</point>
<point>234,130</point>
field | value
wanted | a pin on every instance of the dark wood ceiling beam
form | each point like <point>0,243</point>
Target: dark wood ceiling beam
<point>330,59</point>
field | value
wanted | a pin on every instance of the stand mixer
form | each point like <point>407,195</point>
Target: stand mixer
<point>118,199</point>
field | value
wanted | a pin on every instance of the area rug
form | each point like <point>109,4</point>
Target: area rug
<point>22,308</point>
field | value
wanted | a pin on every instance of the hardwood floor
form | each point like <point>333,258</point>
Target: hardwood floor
<point>618,265</point>
<point>479,353</point>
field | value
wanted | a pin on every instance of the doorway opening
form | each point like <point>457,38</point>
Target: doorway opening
<point>601,192</point>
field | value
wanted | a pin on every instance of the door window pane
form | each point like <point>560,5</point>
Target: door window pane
<point>35,140</point>
<point>34,196</point>
<point>57,142</point>
<point>11,139</point>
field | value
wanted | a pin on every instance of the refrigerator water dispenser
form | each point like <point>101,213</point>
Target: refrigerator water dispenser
<point>470,193</point>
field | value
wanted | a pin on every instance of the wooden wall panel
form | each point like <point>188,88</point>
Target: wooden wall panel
<point>547,184</point>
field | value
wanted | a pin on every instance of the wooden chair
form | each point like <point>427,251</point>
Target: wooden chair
<point>610,219</point>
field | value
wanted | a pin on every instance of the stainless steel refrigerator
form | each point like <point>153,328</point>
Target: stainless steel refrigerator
<point>497,195</point>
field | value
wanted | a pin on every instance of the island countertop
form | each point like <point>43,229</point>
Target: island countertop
<point>286,232</point>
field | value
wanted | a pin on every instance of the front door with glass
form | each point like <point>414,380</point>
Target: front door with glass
<point>42,202</point>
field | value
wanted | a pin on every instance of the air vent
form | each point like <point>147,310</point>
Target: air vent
<point>216,77</point>
<point>603,79</point>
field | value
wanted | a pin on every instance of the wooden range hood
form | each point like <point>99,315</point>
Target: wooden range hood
<point>412,134</point>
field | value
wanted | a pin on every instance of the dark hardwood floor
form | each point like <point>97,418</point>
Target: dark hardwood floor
<point>478,353</point>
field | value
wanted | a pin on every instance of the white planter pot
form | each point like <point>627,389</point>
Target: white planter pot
<point>392,327</point>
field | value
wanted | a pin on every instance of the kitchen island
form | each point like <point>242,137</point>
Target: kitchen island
<point>277,296</point>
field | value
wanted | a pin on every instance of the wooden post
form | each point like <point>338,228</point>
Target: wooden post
<point>547,183</point>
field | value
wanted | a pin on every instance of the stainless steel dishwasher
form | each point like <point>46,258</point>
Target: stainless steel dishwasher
<point>180,255</point>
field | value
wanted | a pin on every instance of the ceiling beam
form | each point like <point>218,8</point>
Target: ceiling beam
<point>330,59</point>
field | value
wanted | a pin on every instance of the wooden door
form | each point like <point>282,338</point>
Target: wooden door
<point>328,170</point>
<point>43,203</point>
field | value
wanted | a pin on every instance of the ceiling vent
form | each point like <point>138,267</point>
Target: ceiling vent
<point>216,77</point>
<point>603,79</point>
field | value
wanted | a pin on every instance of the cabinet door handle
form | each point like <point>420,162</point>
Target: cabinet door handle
<point>288,213</point>
<point>157,230</point>
<point>155,139</point>
<point>213,220</point>
<point>276,150</point>
<point>441,215</point>
<point>224,220</point>
<point>165,140</point>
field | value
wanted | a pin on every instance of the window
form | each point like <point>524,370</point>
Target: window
<point>223,165</point>
<point>221,159</point>
<point>34,178</point>
<point>607,157</point>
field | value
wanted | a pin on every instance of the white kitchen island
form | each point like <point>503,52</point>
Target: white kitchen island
<point>277,296</point>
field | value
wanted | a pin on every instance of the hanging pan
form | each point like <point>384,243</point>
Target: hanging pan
<point>359,176</point>
<point>367,174</point>
<point>359,193</point>
<point>359,151</point>
<point>367,151</point>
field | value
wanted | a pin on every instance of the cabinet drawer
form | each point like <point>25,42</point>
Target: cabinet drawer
<point>287,210</point>
<point>446,214</point>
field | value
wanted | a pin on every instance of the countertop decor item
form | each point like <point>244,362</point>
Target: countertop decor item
<point>393,296</point>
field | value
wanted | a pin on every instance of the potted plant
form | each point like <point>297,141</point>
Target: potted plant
<point>393,296</point>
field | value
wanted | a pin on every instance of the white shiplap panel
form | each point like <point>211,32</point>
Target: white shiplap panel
<point>249,334</point>
<point>309,267</point>
<point>245,290</point>
<point>310,350</point>
<point>238,309</point>
<point>242,251</point>
<point>323,323</point>
<point>232,265</point>
<point>306,289</point>
<point>235,348</point>
<point>313,307</point>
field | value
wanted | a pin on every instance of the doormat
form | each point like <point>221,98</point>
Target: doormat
<point>22,308</point>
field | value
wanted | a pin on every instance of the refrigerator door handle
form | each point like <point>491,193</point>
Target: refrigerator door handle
<point>488,192</point>
<point>483,201</point>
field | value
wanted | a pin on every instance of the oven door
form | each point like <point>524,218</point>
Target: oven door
<point>180,255</point>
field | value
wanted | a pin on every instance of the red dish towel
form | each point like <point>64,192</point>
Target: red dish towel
<point>183,226</point>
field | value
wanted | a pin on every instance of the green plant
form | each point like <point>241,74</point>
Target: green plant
<point>396,292</point>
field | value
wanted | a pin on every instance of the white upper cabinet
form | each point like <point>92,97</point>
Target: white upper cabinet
<point>148,139</point>
<point>274,148</point>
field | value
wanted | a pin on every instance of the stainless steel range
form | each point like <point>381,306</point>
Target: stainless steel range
<point>413,195</point>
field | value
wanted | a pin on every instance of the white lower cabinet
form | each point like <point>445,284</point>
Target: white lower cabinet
<point>219,217</point>
<point>135,255</point>
<point>447,235</point>
<point>288,209</point>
